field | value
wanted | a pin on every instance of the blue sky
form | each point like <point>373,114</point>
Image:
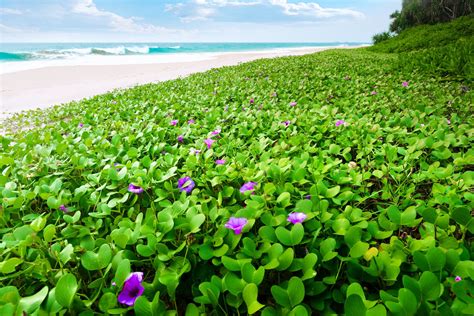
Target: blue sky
<point>193,20</point>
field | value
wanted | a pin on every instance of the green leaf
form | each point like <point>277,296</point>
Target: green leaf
<point>66,289</point>
<point>123,272</point>
<point>354,305</point>
<point>296,291</point>
<point>143,307</point>
<point>96,261</point>
<point>250,295</point>
<point>430,286</point>
<point>9,265</point>
<point>107,301</point>
<point>31,303</point>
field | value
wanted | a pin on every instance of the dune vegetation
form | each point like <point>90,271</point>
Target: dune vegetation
<point>337,182</point>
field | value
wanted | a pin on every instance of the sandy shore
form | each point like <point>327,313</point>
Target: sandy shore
<point>48,86</point>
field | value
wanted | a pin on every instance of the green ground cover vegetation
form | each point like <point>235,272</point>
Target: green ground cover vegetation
<point>378,157</point>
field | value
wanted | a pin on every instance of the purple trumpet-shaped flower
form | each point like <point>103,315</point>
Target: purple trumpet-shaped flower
<point>308,197</point>
<point>180,138</point>
<point>80,125</point>
<point>296,217</point>
<point>249,186</point>
<point>236,224</point>
<point>340,122</point>
<point>220,161</point>
<point>174,122</point>
<point>373,93</point>
<point>135,189</point>
<point>457,278</point>
<point>405,83</point>
<point>216,132</point>
<point>293,103</point>
<point>252,101</point>
<point>448,121</point>
<point>191,121</point>
<point>286,123</point>
<point>209,142</point>
<point>186,184</point>
<point>132,289</point>
<point>63,208</point>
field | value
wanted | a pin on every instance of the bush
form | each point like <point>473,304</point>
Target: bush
<point>377,38</point>
<point>427,36</point>
<point>453,60</point>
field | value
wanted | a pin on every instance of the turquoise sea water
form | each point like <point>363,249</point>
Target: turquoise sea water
<point>47,51</point>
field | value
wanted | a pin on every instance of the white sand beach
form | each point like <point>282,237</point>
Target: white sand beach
<point>60,83</point>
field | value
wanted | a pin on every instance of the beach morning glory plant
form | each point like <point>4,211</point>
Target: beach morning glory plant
<point>236,224</point>
<point>296,217</point>
<point>132,289</point>
<point>186,184</point>
<point>135,189</point>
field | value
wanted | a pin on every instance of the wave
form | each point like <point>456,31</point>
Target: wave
<point>72,52</point>
<point>13,56</point>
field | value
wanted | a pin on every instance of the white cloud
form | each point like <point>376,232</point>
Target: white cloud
<point>6,11</point>
<point>200,10</point>
<point>7,29</point>
<point>313,9</point>
<point>115,21</point>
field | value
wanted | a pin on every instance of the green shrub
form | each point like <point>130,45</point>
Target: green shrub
<point>377,38</point>
<point>453,60</point>
<point>427,36</point>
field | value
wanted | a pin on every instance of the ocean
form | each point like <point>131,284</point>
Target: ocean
<point>22,56</point>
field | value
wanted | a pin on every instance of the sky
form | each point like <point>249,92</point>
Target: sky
<point>194,20</point>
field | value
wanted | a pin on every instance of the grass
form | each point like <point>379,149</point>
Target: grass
<point>387,195</point>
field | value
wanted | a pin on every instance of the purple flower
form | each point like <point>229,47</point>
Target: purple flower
<point>191,121</point>
<point>216,131</point>
<point>457,278</point>
<point>296,217</point>
<point>186,184</point>
<point>194,151</point>
<point>252,101</point>
<point>180,138</point>
<point>340,122</point>
<point>308,197</point>
<point>236,224</point>
<point>132,289</point>
<point>135,189</point>
<point>373,93</point>
<point>220,161</point>
<point>80,125</point>
<point>293,103</point>
<point>286,123</point>
<point>208,142</point>
<point>249,186</point>
<point>405,83</point>
<point>174,122</point>
<point>63,208</point>
<point>448,121</point>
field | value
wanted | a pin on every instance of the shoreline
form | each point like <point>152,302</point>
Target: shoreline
<point>54,85</point>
